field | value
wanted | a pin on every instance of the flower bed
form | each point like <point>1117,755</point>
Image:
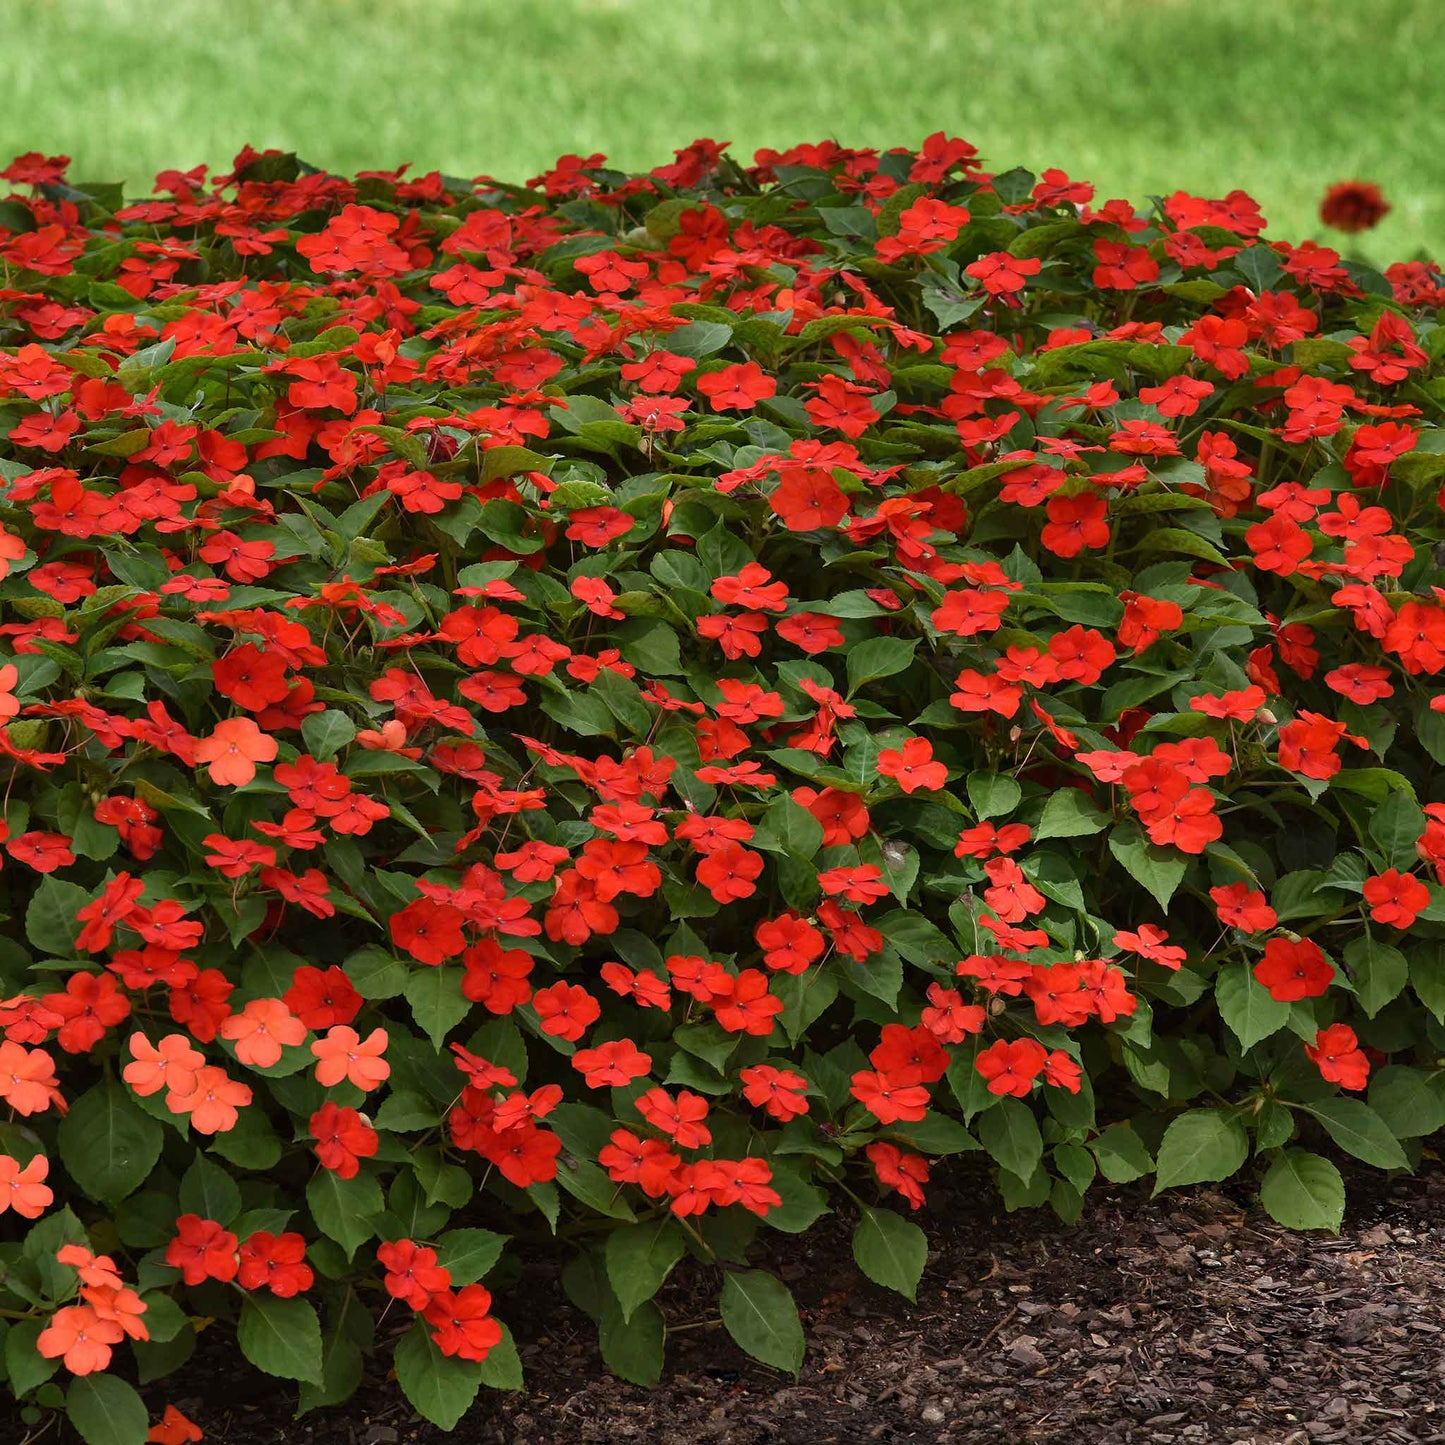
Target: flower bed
<point>625,710</point>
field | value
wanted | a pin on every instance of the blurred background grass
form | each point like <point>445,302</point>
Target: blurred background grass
<point>1140,96</point>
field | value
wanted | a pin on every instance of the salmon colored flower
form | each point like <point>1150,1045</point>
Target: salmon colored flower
<point>27,1079</point>
<point>80,1339</point>
<point>261,1030</point>
<point>24,1189</point>
<point>171,1064</point>
<point>343,1054</point>
<point>213,1102</point>
<point>232,751</point>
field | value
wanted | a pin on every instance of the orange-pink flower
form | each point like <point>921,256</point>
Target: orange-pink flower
<point>79,1337</point>
<point>343,1054</point>
<point>260,1031</point>
<point>171,1064</point>
<point>212,1102</point>
<point>24,1190</point>
<point>233,749</point>
<point>27,1079</point>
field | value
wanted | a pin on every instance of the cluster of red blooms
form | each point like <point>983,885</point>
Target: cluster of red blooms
<point>202,1249</point>
<point>600,623</point>
<point>460,1319</point>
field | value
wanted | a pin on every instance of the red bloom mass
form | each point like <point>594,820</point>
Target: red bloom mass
<point>1353,206</point>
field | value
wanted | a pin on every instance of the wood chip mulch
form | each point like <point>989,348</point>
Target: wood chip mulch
<point>1187,1318</point>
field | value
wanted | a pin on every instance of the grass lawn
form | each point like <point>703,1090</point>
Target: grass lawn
<point>1141,96</point>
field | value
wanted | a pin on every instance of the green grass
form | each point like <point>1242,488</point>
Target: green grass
<point>1140,96</point>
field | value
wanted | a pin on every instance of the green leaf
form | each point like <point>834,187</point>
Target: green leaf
<point>992,795</point>
<point>502,1369</point>
<point>1204,1145</point>
<point>759,1313</point>
<point>1303,1191</point>
<point>1379,972</point>
<point>1121,1154</point>
<point>1360,1131</point>
<point>1395,825</point>
<point>469,1253</point>
<point>1403,1098</point>
<point>437,1002</point>
<point>439,1387</point>
<point>640,1257</point>
<point>633,1348</point>
<point>790,828</point>
<point>25,1366</point>
<point>281,1337</point>
<point>585,1181</point>
<point>1010,1133</point>
<point>1427,975</point>
<point>1246,1006</point>
<point>209,1191</point>
<point>326,733</point>
<point>50,921</point>
<point>106,1411</point>
<point>890,1250</point>
<point>1070,814</point>
<point>345,1209</point>
<point>376,973</point>
<point>349,1331</point>
<point>878,657</point>
<point>1158,870</point>
<point>108,1144</point>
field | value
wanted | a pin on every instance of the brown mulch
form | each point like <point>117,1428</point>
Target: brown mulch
<point>1187,1318</point>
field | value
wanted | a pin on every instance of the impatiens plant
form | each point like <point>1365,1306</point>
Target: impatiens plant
<point>625,713</point>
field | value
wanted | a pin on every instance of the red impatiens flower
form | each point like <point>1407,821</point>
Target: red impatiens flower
<point>913,767</point>
<point>1353,206</point>
<point>781,1092</point>
<point>1075,522</point>
<point>737,388</point>
<point>343,1139</point>
<point>1011,1068</point>
<point>1337,1053</point>
<point>1293,969</point>
<point>202,1250</point>
<point>728,872</point>
<point>897,1169</point>
<point>462,1324</point>
<point>611,1065</point>
<point>275,1261</point>
<point>412,1272</point>
<point>1240,906</point>
<point>1396,898</point>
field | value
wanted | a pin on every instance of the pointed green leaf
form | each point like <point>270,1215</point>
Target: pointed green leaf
<point>281,1336</point>
<point>890,1250</point>
<point>759,1313</point>
<point>640,1257</point>
<point>440,1387</point>
<point>106,1411</point>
